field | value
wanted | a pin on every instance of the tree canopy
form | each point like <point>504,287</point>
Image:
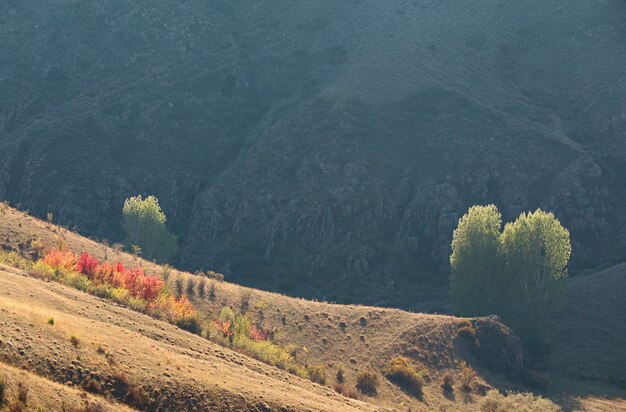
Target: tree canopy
<point>515,273</point>
<point>145,226</point>
<point>474,261</point>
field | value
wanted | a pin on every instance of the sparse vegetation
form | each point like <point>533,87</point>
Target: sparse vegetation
<point>468,375</point>
<point>179,286</point>
<point>367,383</point>
<point>245,302</point>
<point>212,292</point>
<point>405,375</point>
<point>93,386</point>
<point>340,375</point>
<point>347,391</point>
<point>467,331</point>
<point>16,406</point>
<point>22,393</point>
<point>238,331</point>
<point>447,382</point>
<point>14,259</point>
<point>317,373</point>
<point>494,401</point>
<point>202,287</point>
<point>51,320</point>
<point>75,341</point>
<point>191,286</point>
<point>3,389</point>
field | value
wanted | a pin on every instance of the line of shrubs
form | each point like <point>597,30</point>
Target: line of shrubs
<point>131,287</point>
<point>149,294</point>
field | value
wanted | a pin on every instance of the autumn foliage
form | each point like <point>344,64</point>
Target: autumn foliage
<point>61,259</point>
<point>133,282</point>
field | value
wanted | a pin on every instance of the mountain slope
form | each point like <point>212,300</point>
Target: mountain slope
<point>356,338</point>
<point>591,341</point>
<point>318,149</point>
<point>178,370</point>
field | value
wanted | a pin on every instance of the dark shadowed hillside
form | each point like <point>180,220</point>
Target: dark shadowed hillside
<point>318,148</point>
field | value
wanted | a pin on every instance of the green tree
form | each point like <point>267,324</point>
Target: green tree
<point>144,223</point>
<point>474,262</point>
<point>535,250</point>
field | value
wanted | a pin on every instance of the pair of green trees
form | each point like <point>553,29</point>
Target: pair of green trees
<point>515,272</point>
<point>144,224</point>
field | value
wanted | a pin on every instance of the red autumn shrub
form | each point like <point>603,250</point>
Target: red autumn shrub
<point>87,265</point>
<point>151,287</point>
<point>61,259</point>
<point>134,280</point>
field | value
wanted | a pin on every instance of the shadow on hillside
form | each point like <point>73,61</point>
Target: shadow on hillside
<point>568,393</point>
<point>449,394</point>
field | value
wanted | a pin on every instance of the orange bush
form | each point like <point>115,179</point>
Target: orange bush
<point>61,259</point>
<point>225,328</point>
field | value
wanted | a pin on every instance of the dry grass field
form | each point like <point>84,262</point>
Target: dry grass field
<point>128,357</point>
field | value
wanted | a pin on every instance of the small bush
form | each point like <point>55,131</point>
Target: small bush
<point>347,391</point>
<point>467,332</point>
<point>202,287</point>
<point>22,392</point>
<point>75,341</point>
<point>15,259</point>
<point>3,389</point>
<point>497,402</point>
<point>179,284</point>
<point>367,383</point>
<point>402,373</point>
<point>447,382</point>
<point>340,375</point>
<point>15,406</point>
<point>92,407</point>
<point>93,386</point>
<point>212,293</point>
<point>51,320</point>
<point>245,302</point>
<point>40,270</point>
<point>120,378</point>
<point>317,373</point>
<point>217,276</point>
<point>468,374</point>
<point>137,397</point>
<point>166,272</point>
<point>191,286</point>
